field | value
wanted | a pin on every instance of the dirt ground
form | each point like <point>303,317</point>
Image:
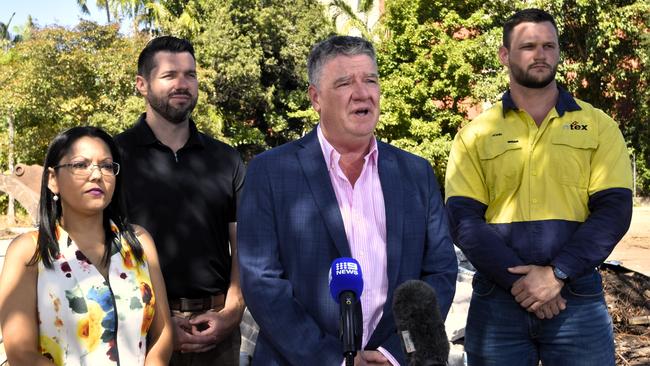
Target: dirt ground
<point>628,299</point>
<point>627,289</point>
<point>634,250</point>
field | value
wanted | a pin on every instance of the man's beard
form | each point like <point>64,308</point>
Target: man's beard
<point>524,78</point>
<point>169,112</point>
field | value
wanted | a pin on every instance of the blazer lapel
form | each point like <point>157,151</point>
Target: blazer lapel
<point>315,170</point>
<point>391,186</point>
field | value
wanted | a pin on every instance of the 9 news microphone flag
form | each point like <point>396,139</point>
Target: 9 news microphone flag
<point>346,286</point>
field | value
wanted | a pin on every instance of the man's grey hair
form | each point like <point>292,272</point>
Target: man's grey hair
<point>336,46</point>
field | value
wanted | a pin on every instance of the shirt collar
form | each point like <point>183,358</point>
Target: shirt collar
<point>332,156</point>
<point>145,135</point>
<point>565,102</point>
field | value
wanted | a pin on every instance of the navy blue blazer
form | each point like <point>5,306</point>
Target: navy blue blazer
<point>290,230</point>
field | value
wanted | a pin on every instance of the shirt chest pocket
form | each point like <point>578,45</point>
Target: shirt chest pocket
<point>501,162</point>
<point>570,159</point>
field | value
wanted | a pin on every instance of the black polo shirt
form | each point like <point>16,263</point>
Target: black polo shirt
<point>186,201</point>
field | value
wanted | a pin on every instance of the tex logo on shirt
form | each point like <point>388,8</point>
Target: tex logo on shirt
<point>575,125</point>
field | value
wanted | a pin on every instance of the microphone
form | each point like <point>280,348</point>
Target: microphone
<point>419,324</point>
<point>346,286</point>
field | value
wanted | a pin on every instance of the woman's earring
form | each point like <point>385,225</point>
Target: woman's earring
<point>55,197</point>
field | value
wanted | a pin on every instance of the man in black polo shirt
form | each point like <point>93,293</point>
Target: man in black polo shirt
<point>183,187</point>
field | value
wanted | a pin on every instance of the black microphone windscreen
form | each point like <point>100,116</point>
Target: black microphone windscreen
<point>419,324</point>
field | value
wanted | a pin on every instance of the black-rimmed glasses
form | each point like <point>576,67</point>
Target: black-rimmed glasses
<point>85,168</point>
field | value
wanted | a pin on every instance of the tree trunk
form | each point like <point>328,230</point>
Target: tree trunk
<point>11,212</point>
<point>108,12</point>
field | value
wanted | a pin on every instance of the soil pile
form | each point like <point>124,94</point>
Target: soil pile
<point>628,298</point>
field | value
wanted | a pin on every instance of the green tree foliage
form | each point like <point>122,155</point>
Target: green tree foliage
<point>137,10</point>
<point>253,59</point>
<point>59,78</point>
<point>606,63</point>
<point>101,4</point>
<point>353,19</point>
<point>142,13</point>
<point>434,61</point>
<point>5,35</point>
<point>438,62</point>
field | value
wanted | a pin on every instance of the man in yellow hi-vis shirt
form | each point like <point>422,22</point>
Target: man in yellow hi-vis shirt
<point>538,190</point>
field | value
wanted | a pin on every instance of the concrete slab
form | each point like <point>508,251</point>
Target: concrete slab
<point>633,251</point>
<point>4,243</point>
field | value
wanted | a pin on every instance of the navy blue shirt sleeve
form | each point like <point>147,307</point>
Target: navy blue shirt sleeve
<point>485,248</point>
<point>609,219</point>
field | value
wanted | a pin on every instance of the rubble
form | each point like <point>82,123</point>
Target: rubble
<point>628,299</point>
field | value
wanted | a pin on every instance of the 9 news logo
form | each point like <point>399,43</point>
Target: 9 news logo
<point>347,268</point>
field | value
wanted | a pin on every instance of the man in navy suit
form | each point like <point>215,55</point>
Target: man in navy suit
<point>338,192</point>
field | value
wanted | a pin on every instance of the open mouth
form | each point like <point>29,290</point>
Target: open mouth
<point>362,112</point>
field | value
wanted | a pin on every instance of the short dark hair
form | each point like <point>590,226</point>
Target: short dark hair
<point>49,212</point>
<point>335,46</point>
<point>525,16</point>
<point>159,44</point>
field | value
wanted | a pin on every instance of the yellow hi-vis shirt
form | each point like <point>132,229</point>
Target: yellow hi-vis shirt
<point>523,172</point>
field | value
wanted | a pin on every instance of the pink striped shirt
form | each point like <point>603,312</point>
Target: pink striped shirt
<point>364,218</point>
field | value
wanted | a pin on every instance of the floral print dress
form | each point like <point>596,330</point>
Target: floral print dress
<point>85,319</point>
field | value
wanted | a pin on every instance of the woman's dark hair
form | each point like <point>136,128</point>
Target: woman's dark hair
<point>49,211</point>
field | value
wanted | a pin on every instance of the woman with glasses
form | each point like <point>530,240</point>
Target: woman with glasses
<point>86,289</point>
